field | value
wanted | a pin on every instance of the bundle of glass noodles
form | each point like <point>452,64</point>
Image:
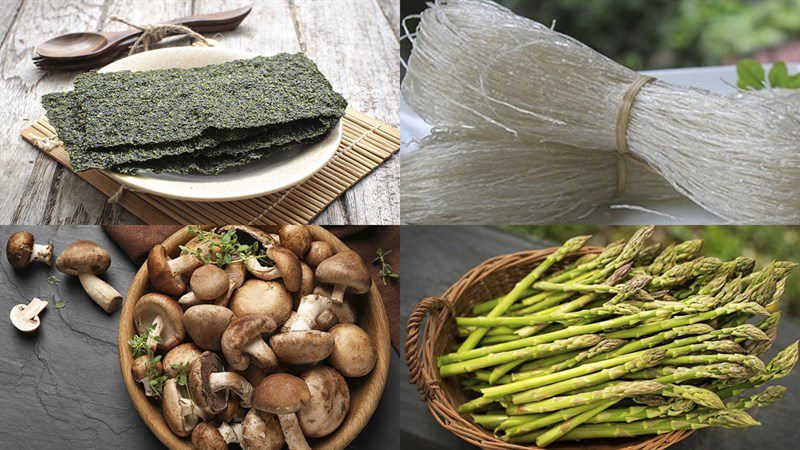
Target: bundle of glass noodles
<point>478,66</point>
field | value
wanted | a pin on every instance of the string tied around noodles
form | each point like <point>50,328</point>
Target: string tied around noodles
<point>154,33</point>
<point>621,133</point>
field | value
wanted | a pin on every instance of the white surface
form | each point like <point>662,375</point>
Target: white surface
<point>260,177</point>
<point>721,79</point>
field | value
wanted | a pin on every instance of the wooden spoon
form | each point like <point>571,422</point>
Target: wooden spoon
<point>91,44</point>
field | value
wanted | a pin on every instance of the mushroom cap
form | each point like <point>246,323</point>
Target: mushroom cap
<point>353,353</point>
<point>296,238</point>
<point>19,249</point>
<point>306,284</point>
<point>206,323</point>
<point>141,364</point>
<point>82,256</point>
<point>241,331</point>
<point>262,298</point>
<point>206,436</point>
<point>160,274</point>
<point>261,431</point>
<point>329,402</point>
<point>289,266</point>
<point>181,355</point>
<point>171,408</point>
<point>345,268</point>
<point>200,385</point>
<point>318,251</point>
<point>280,393</point>
<point>209,282</point>
<point>151,305</point>
<point>345,312</point>
<point>302,347</point>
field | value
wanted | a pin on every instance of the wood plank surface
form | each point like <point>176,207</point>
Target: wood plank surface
<point>354,42</point>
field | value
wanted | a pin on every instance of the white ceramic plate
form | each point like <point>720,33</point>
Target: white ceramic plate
<point>260,177</point>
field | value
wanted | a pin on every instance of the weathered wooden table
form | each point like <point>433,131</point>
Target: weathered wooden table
<point>354,42</point>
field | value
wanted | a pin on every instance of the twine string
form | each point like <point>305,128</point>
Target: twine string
<point>117,196</point>
<point>154,33</point>
<point>621,135</point>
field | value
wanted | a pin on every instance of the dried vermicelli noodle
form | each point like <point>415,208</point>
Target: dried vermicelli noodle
<point>477,64</point>
<point>472,182</point>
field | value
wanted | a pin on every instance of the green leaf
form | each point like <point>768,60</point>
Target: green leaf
<point>61,304</point>
<point>53,280</point>
<point>779,77</point>
<point>751,74</point>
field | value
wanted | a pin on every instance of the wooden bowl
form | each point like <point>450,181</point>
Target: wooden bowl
<point>365,393</point>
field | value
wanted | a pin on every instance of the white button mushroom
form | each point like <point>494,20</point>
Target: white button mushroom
<point>87,260</point>
<point>26,317</point>
<point>21,250</point>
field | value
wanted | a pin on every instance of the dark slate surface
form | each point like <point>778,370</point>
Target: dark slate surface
<point>61,387</point>
<point>435,257</point>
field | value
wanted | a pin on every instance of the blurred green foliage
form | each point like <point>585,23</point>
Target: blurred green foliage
<point>763,243</point>
<point>649,34</point>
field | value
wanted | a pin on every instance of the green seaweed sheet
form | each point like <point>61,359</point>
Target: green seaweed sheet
<point>157,120</point>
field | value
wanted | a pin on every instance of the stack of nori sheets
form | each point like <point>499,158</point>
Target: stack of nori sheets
<point>202,120</point>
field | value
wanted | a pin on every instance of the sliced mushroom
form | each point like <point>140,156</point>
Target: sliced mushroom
<point>296,238</point>
<point>353,353</point>
<point>261,431</point>
<point>140,369</point>
<point>208,283</point>
<point>262,298</point>
<point>21,250</point>
<point>26,317</point>
<point>180,412</point>
<point>286,266</point>
<point>209,384</point>
<point>242,340</point>
<point>182,355</point>
<point>161,317</point>
<point>206,436</point>
<point>345,271</point>
<point>328,404</point>
<point>87,260</point>
<point>165,273</point>
<point>306,284</point>
<point>283,395</point>
<point>206,323</point>
<point>318,251</point>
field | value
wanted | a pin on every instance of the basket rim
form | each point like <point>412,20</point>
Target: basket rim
<point>423,371</point>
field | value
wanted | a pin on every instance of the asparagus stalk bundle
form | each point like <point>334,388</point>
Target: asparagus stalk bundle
<point>638,339</point>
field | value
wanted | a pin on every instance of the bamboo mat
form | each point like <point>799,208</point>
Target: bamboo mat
<point>366,144</point>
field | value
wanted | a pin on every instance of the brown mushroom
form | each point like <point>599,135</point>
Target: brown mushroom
<point>300,343</point>
<point>208,283</point>
<point>353,353</point>
<point>209,384</point>
<point>345,312</point>
<point>143,369</point>
<point>25,318</point>
<point>165,273</point>
<point>180,412</point>
<point>180,356</point>
<point>206,436</point>
<point>328,404</point>
<point>87,260</point>
<point>345,271</point>
<point>21,250</point>
<point>296,238</point>
<point>236,274</point>
<point>306,284</point>
<point>242,339</point>
<point>318,251</point>
<point>286,266</point>
<point>262,298</point>
<point>160,317</point>
<point>261,431</point>
<point>283,395</point>
<point>206,323</point>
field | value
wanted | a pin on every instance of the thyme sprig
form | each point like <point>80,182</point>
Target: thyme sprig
<point>157,381</point>
<point>226,248</point>
<point>386,270</point>
<point>139,344</point>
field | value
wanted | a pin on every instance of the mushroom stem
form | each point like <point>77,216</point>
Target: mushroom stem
<point>232,382</point>
<point>188,300</point>
<point>191,413</point>
<point>33,309</point>
<point>338,292</point>
<point>231,434</point>
<point>292,432</point>
<point>43,253</point>
<point>155,332</point>
<point>311,306</point>
<point>184,263</point>
<point>148,390</point>
<point>101,292</point>
<point>265,358</point>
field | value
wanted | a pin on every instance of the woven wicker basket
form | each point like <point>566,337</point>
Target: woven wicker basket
<point>491,279</point>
